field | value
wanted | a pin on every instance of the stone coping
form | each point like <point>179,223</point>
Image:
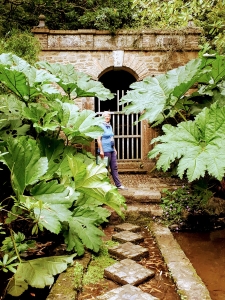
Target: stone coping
<point>189,284</point>
<point>95,40</point>
<point>184,30</point>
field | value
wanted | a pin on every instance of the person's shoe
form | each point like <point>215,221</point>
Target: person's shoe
<point>122,187</point>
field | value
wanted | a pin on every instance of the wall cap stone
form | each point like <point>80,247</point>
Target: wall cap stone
<point>184,30</point>
<point>132,40</point>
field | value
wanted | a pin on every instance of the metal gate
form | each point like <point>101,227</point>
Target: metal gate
<point>127,134</point>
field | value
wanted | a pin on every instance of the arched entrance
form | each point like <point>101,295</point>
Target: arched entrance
<point>127,135</point>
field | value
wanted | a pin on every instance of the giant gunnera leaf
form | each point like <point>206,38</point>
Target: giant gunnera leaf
<point>198,145</point>
<point>155,95</point>
<point>25,162</point>
<point>37,273</point>
<point>92,180</point>
<point>77,83</point>
<point>24,80</point>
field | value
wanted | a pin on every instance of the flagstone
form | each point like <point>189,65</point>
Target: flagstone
<point>128,271</point>
<point>129,250</point>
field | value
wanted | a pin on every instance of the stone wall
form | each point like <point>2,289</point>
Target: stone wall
<point>141,53</point>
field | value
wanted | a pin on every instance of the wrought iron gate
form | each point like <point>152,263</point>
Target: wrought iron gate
<point>127,135</point>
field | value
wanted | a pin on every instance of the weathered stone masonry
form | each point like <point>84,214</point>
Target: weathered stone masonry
<point>142,53</point>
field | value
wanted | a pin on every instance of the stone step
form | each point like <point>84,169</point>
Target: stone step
<point>128,250</point>
<point>143,195</point>
<point>128,227</point>
<point>128,271</point>
<point>132,171</point>
<point>126,292</point>
<point>140,181</point>
<point>128,236</point>
<point>137,214</point>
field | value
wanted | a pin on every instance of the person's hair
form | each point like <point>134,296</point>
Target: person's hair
<point>105,113</point>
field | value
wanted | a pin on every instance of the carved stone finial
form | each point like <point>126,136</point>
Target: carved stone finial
<point>41,21</point>
<point>190,21</point>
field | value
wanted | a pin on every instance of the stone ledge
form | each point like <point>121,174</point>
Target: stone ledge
<point>188,283</point>
<point>185,30</point>
<point>94,40</point>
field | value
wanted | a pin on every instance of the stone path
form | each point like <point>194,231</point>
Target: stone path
<point>127,272</point>
<point>143,206</point>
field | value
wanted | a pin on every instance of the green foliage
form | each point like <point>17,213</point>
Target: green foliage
<point>98,263</point>
<point>22,44</point>
<point>176,14</point>
<point>37,273</point>
<point>56,189</point>
<point>116,14</point>
<point>196,145</point>
<point>78,275</point>
<point>76,84</point>
<point>199,145</point>
<point>94,14</point>
<point>185,200</point>
<point>162,96</point>
<point>7,264</point>
<point>18,240</point>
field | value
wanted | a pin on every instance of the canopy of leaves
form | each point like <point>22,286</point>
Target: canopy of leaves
<point>113,15</point>
<point>67,14</point>
<point>21,43</point>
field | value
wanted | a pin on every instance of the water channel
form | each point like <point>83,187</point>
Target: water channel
<point>206,251</point>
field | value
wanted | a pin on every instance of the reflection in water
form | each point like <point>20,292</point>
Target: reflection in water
<point>206,252</point>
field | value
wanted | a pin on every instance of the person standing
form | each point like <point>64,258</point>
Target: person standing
<point>106,147</point>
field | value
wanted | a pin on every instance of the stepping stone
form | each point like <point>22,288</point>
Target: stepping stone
<point>129,250</point>
<point>127,236</point>
<point>128,227</point>
<point>126,292</point>
<point>128,271</point>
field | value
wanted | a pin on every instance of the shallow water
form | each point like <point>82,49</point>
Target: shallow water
<point>206,251</point>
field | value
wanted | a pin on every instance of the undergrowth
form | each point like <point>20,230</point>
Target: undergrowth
<point>98,263</point>
<point>178,204</point>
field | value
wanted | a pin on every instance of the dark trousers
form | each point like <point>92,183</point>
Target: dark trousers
<point>113,167</point>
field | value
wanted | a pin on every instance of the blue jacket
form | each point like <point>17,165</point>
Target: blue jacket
<point>107,138</point>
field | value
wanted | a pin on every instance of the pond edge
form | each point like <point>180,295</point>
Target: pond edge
<point>189,284</point>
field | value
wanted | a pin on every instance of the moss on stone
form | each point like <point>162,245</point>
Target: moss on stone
<point>99,262</point>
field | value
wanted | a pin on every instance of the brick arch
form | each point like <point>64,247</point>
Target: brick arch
<point>138,64</point>
<point>124,68</point>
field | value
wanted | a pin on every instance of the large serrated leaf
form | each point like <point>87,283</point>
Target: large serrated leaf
<point>11,106</point>
<point>156,94</point>
<point>23,79</point>
<point>77,83</point>
<point>24,161</point>
<point>92,180</point>
<point>199,145</point>
<point>56,152</point>
<point>83,228</point>
<point>52,193</point>
<point>80,123</point>
<point>37,273</point>
<point>47,217</point>
<point>17,82</point>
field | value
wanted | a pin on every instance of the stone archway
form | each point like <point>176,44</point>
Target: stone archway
<point>127,135</point>
<point>140,53</point>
